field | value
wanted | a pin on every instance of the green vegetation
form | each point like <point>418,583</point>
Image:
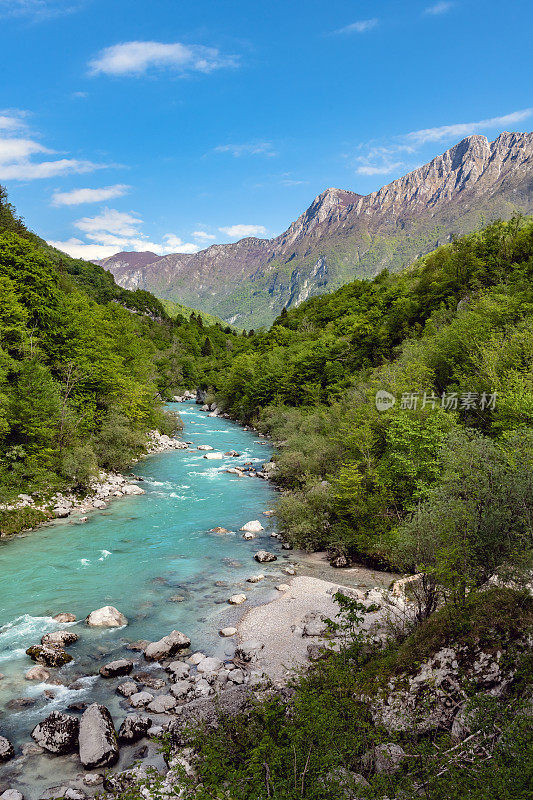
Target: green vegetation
<point>452,340</point>
<point>84,367</point>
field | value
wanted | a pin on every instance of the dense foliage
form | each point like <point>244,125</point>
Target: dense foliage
<point>452,340</point>
<point>84,365</point>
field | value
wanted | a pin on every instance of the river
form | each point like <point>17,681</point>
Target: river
<point>153,557</point>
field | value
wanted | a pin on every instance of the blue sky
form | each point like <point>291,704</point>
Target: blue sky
<point>171,125</point>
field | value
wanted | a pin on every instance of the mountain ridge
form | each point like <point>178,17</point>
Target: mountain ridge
<point>343,234</point>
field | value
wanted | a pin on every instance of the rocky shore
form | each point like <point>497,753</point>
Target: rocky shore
<point>104,488</point>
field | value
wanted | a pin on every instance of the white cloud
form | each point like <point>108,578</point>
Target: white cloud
<point>17,152</point>
<point>247,149</point>
<point>78,196</point>
<point>136,58</point>
<point>361,26</point>
<point>113,231</point>
<point>463,129</point>
<point>438,8</point>
<point>203,236</point>
<point>240,231</point>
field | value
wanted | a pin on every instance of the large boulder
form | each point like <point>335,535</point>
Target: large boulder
<point>254,526</point>
<point>7,750</point>
<point>115,668</point>
<point>59,639</point>
<point>37,674</point>
<point>134,727</point>
<point>11,794</point>
<point>178,670</point>
<point>98,738</point>
<point>249,650</point>
<point>57,734</point>
<point>106,617</point>
<point>167,647</point>
<point>48,656</point>
<point>264,556</point>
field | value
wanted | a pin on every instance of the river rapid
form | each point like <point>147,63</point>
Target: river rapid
<point>154,558</point>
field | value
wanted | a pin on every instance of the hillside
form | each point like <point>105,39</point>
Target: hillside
<point>344,235</point>
<point>84,366</point>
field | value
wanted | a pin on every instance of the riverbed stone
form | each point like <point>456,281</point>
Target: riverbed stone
<point>97,738</point>
<point>181,689</point>
<point>162,704</point>
<point>7,750</point>
<point>210,664</point>
<point>11,794</point>
<point>167,647</point>
<point>59,639</point>
<point>204,447</point>
<point>140,699</point>
<point>57,734</point>
<point>106,617</point>
<point>37,673</point>
<point>48,656</point>
<point>134,727</point>
<point>237,599</point>
<point>116,668</point>
<point>255,578</point>
<point>249,650</point>
<point>64,617</point>
<point>226,632</point>
<point>263,556</point>
<point>178,670</point>
<point>127,689</point>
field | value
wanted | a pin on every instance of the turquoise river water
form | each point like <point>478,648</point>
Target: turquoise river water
<point>138,555</point>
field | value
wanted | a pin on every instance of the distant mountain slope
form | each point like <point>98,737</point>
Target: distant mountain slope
<point>344,235</point>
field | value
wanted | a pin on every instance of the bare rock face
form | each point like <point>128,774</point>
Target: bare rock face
<point>97,738</point>
<point>7,750</point>
<point>57,734</point>
<point>447,193</point>
<point>115,668</point>
<point>106,617</point>
<point>48,656</point>
<point>167,647</point>
<point>134,727</point>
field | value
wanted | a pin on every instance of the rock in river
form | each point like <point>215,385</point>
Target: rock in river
<point>134,727</point>
<point>115,668</point>
<point>167,647</point>
<point>7,750</point>
<point>98,739</point>
<point>263,556</point>
<point>49,656</point>
<point>254,526</point>
<point>59,639</point>
<point>65,616</point>
<point>106,617</point>
<point>57,734</point>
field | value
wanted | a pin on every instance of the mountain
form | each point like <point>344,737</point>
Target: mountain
<point>344,235</point>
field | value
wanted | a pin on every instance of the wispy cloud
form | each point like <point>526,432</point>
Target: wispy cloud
<point>38,9</point>
<point>247,149</point>
<point>361,26</point>
<point>438,8</point>
<point>203,236</point>
<point>18,152</point>
<point>401,154</point>
<point>112,231</point>
<point>78,196</point>
<point>137,58</point>
<point>467,128</point>
<point>240,231</point>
